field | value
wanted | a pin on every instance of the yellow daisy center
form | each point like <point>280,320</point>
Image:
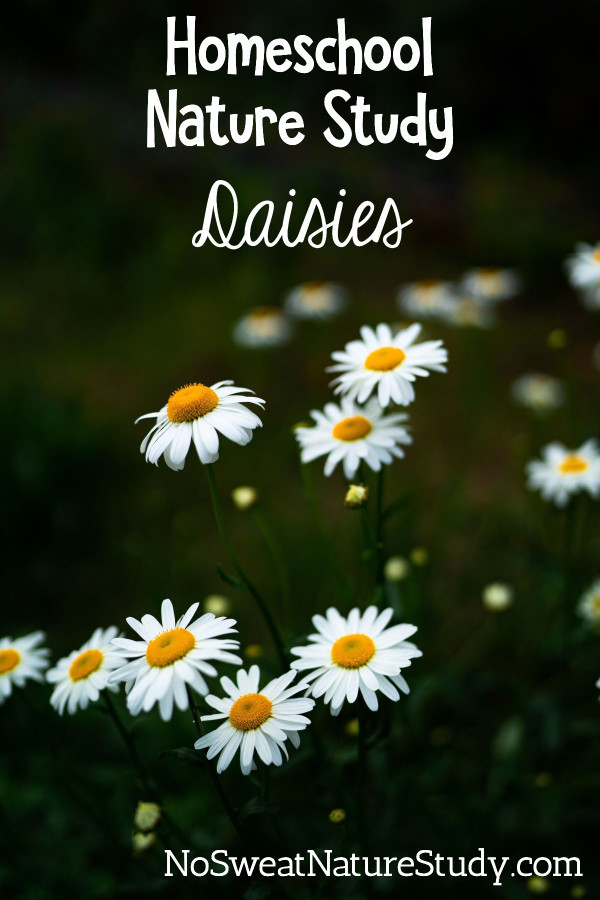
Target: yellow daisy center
<point>84,664</point>
<point>597,255</point>
<point>169,646</point>
<point>352,651</point>
<point>352,429</point>
<point>191,402</point>
<point>9,660</point>
<point>385,359</point>
<point>314,285</point>
<point>264,312</point>
<point>250,712</point>
<point>573,463</point>
<point>489,273</point>
<point>428,284</point>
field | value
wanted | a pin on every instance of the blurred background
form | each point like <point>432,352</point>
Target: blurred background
<point>106,308</point>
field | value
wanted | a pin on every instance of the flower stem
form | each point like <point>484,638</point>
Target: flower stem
<point>361,775</point>
<point>130,745</point>
<point>260,602</point>
<point>268,537</point>
<point>211,770</point>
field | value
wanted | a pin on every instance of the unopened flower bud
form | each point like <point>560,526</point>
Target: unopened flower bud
<point>337,816</point>
<point>244,496</point>
<point>396,568</point>
<point>356,496</point>
<point>497,596</point>
<point>253,651</point>
<point>419,556</point>
<point>147,816</point>
<point>217,605</point>
<point>142,842</point>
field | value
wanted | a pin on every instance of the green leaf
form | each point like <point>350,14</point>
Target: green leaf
<point>187,756</point>
<point>258,807</point>
<point>230,579</point>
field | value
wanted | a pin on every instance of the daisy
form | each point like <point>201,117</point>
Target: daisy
<point>538,392</point>
<point>590,296</point>
<point>426,299</point>
<point>491,284</point>
<point>263,326</point>
<point>562,472</point>
<point>316,300</point>
<point>349,434</point>
<point>583,267</point>
<point>357,653</point>
<point>19,660</point>
<point>200,413</point>
<point>171,655</point>
<point>469,312</point>
<point>589,605</point>
<point>255,722</point>
<point>81,676</point>
<point>386,364</point>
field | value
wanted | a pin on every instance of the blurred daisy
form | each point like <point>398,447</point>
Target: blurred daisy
<point>589,605</point>
<point>255,722</point>
<point>171,655</point>
<point>538,392</point>
<point>19,660</point>
<point>79,677</point>
<point>468,312</point>
<point>353,654</point>
<point>426,299</point>
<point>590,296</point>
<point>491,284</point>
<point>199,413</point>
<point>316,300</point>
<point>583,267</point>
<point>386,364</point>
<point>263,326</point>
<point>350,434</point>
<point>562,472</point>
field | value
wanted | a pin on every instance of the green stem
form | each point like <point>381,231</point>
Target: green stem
<point>211,770</point>
<point>273,547</point>
<point>361,776</point>
<point>130,745</point>
<point>260,602</point>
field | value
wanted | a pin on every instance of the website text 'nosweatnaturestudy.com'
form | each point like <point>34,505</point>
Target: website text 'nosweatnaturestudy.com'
<point>323,863</point>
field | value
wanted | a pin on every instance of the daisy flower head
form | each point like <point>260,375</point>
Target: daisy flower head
<point>263,326</point>
<point>538,392</point>
<point>256,722</point>
<point>589,605</point>
<point>316,300</point>
<point>79,677</point>
<point>469,312</point>
<point>583,266</point>
<point>491,283</point>
<point>426,299</point>
<point>590,296</point>
<point>562,472</point>
<point>356,654</point>
<point>386,364</point>
<point>170,655</point>
<point>350,434</point>
<point>199,414</point>
<point>21,659</point>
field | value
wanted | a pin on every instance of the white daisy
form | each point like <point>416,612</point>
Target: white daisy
<point>490,283</point>
<point>357,653</point>
<point>171,655</point>
<point>562,472</point>
<point>538,392</point>
<point>589,605</point>
<point>426,299</point>
<point>199,413</point>
<point>349,434</point>
<point>316,300</point>
<point>21,659</point>
<point>469,312</point>
<point>256,722</point>
<point>81,676</point>
<point>386,364</point>
<point>263,326</point>
<point>583,267</point>
<point>590,296</point>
